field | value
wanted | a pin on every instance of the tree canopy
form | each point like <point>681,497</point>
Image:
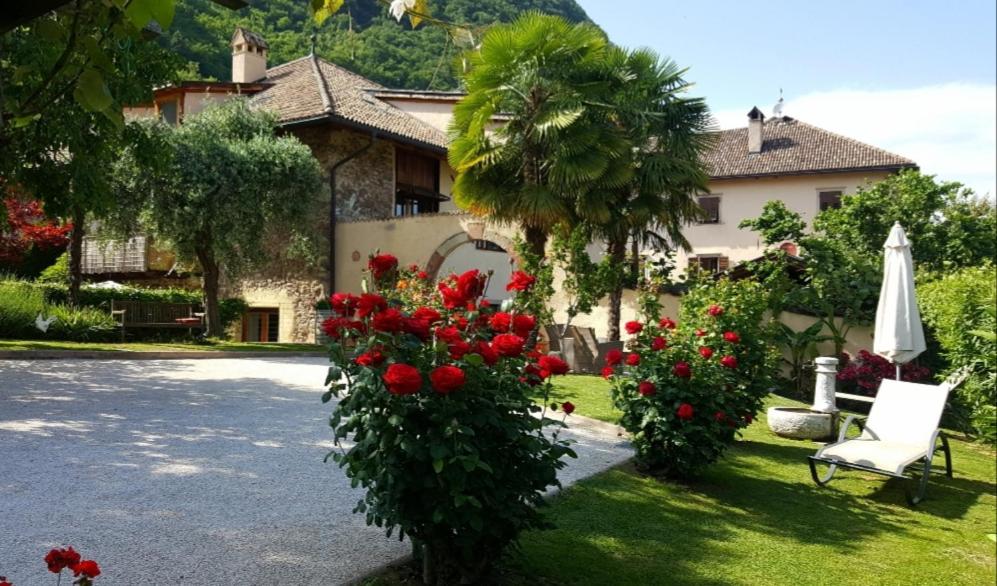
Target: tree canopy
<point>214,187</point>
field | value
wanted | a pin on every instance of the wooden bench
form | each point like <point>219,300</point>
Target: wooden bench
<point>142,314</point>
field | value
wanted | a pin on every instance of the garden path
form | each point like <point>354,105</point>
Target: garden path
<point>192,472</point>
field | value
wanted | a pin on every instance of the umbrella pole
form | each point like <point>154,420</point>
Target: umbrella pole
<point>898,371</point>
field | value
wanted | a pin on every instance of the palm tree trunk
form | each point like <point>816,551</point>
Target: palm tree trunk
<point>618,253</point>
<point>76,255</point>
<point>635,258</point>
<point>536,239</point>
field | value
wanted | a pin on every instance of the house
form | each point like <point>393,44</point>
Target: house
<point>384,151</point>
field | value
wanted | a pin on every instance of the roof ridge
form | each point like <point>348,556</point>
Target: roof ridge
<point>854,141</point>
<point>323,85</point>
<point>287,63</point>
<point>350,73</point>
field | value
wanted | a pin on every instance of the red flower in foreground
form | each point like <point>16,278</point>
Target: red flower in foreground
<point>706,352</point>
<point>427,313</point>
<point>614,357</point>
<point>88,568</point>
<point>370,303</point>
<point>488,353</point>
<point>568,407</point>
<point>370,358</point>
<point>417,327</point>
<point>449,334</point>
<point>402,379</point>
<point>646,389</point>
<point>659,343</point>
<point>335,326</point>
<point>553,365</point>
<point>720,417</point>
<point>422,275</point>
<point>520,281</point>
<point>344,303</point>
<point>732,337</point>
<point>4,582</point>
<point>633,359</point>
<point>446,379</point>
<point>729,361</point>
<point>684,412</point>
<point>522,325</point>
<point>634,327</point>
<point>382,264</point>
<point>389,320</point>
<point>667,323</point>
<point>682,370</point>
<point>500,322</point>
<point>458,349</point>
<point>508,344</point>
<point>57,559</point>
<point>608,371</point>
<point>715,310</point>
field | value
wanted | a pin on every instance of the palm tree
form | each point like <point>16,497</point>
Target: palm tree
<point>670,132</point>
<point>546,81</point>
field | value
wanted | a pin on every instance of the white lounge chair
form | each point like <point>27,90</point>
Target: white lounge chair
<point>901,430</point>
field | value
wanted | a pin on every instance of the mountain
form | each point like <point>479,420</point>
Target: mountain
<point>362,37</point>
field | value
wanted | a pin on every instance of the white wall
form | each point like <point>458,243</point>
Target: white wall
<point>433,112</point>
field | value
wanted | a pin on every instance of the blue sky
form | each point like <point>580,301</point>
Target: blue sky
<point>918,78</point>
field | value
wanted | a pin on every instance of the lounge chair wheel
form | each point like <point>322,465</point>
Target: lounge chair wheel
<point>822,480</point>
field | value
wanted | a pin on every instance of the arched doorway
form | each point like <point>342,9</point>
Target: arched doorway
<point>461,253</point>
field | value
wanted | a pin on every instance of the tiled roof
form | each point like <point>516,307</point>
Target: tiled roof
<point>791,147</point>
<point>311,88</point>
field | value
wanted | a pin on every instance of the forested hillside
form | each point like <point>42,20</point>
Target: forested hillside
<point>362,37</point>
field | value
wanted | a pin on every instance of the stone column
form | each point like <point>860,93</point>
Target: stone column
<point>826,369</point>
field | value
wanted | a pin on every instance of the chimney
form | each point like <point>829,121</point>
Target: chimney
<point>756,120</point>
<point>249,56</point>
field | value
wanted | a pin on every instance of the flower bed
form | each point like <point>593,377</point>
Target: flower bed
<point>436,420</point>
<point>685,389</point>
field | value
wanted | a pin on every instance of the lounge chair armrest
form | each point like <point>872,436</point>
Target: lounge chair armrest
<point>857,419</point>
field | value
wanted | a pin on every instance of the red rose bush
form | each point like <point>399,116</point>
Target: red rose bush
<point>685,389</point>
<point>435,418</point>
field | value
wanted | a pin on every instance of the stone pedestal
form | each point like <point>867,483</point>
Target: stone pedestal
<point>827,371</point>
<point>801,423</point>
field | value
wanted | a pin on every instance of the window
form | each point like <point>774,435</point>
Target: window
<point>829,199</point>
<point>169,112</point>
<point>713,263</point>
<point>417,184</point>
<point>487,245</point>
<point>711,205</point>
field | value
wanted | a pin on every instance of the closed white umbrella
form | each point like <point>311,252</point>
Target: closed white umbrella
<point>899,336</point>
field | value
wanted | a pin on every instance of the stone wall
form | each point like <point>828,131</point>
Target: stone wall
<point>293,298</point>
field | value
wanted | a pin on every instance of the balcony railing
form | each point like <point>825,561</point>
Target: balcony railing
<point>114,256</point>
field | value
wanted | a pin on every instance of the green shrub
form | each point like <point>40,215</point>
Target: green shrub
<point>21,303</point>
<point>961,309</point>
<point>57,272</point>
<point>686,389</point>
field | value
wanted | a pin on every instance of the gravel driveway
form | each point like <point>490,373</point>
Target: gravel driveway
<point>191,472</point>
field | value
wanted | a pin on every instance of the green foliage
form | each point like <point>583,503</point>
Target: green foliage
<point>21,303</point>
<point>361,35</point>
<point>961,309</point>
<point>776,223</point>
<point>801,347</point>
<point>682,423</point>
<point>947,225</point>
<point>58,272</point>
<point>460,470</point>
<point>585,282</point>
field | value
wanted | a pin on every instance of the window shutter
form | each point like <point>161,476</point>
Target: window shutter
<point>723,264</point>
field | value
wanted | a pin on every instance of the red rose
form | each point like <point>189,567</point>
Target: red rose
<point>381,264</point>
<point>508,344</point>
<point>417,327</point>
<point>422,275</point>
<point>658,343</point>
<point>720,417</point>
<point>4,582</point>
<point>553,365</point>
<point>500,322</point>
<point>646,389</point>
<point>520,281</point>
<point>343,303</point>
<point>451,297</point>
<point>88,568</point>
<point>461,322</point>
<point>633,359</point>
<point>729,361</point>
<point>446,379</point>
<point>568,407</point>
<point>684,412</point>
<point>700,332</point>
<point>334,326</point>
<point>448,334</point>
<point>633,327</point>
<point>389,320</point>
<point>413,267</point>
<point>608,371</point>
<point>705,352</point>
<point>488,353</point>
<point>731,337</point>
<point>471,285</point>
<point>458,349</point>
<point>402,379</point>
<point>715,310</point>
<point>370,358</point>
<point>370,303</point>
<point>57,559</point>
<point>667,323</point>
<point>534,375</point>
<point>522,325</point>
<point>614,357</point>
<point>682,370</point>
<point>427,313</point>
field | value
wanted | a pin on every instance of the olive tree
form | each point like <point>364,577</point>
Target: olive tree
<point>214,187</point>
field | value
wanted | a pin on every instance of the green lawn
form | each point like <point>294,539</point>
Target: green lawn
<point>756,518</point>
<point>158,346</point>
